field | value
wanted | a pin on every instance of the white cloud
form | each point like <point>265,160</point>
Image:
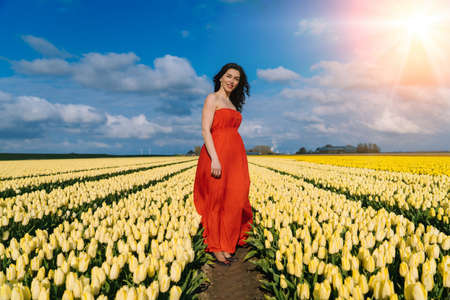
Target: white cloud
<point>311,26</point>
<point>389,122</point>
<point>352,75</point>
<point>252,129</point>
<point>307,93</point>
<point>44,47</point>
<point>79,113</point>
<point>30,109</point>
<point>302,117</point>
<point>45,66</point>
<point>322,128</point>
<point>35,109</point>
<point>5,96</point>
<point>277,74</point>
<point>362,99</point>
<point>171,77</point>
<point>136,127</point>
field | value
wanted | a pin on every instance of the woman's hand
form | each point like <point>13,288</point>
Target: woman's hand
<point>216,168</point>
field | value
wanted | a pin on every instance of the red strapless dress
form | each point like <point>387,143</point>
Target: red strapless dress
<point>223,202</point>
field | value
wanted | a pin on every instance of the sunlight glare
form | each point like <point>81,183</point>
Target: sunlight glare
<point>419,24</point>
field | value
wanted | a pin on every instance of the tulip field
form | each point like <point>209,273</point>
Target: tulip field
<point>127,228</point>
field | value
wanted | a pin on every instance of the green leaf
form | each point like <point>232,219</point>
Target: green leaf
<point>250,254</point>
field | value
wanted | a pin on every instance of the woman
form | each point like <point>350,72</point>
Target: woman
<point>222,181</point>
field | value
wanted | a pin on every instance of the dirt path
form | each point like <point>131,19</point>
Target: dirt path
<point>237,282</point>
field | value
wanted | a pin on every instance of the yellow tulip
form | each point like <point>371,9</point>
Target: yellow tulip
<point>337,280</point>
<point>153,290</point>
<point>121,293</point>
<point>175,293</point>
<point>140,273</point>
<point>35,288</point>
<point>403,270</point>
<point>87,296</point>
<point>59,277</point>
<point>322,290</point>
<point>386,289</point>
<point>427,281</point>
<point>446,279</point>
<point>44,294</point>
<point>83,262</point>
<point>114,271</point>
<point>303,291</point>
<point>290,268</point>
<point>164,283</point>
<point>11,273</point>
<point>131,293</point>
<point>313,264</point>
<point>95,285</point>
<point>283,283</point>
<point>362,282</point>
<point>5,291</point>
<point>415,291</point>
<point>345,263</point>
<point>322,252</point>
<point>279,265</point>
<point>369,263</point>
<point>357,293</point>
<point>321,267</point>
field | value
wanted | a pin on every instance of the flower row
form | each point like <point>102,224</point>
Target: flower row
<point>41,209</point>
<point>20,185</point>
<point>10,170</point>
<point>425,196</point>
<point>313,243</point>
<point>418,164</point>
<point>144,245</point>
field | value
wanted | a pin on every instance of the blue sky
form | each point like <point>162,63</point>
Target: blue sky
<point>131,77</point>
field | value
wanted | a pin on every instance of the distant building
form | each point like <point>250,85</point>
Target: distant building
<point>253,153</point>
<point>191,153</point>
<point>336,149</point>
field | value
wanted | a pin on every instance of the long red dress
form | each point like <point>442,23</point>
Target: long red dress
<point>223,201</point>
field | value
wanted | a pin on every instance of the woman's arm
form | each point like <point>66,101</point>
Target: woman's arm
<point>209,109</point>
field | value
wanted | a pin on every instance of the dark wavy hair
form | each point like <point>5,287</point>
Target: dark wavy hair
<point>237,96</point>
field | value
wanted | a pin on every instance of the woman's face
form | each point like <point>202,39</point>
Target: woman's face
<point>230,79</point>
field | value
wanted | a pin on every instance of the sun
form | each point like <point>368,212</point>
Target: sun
<point>419,25</point>
<point>406,39</point>
<point>420,44</point>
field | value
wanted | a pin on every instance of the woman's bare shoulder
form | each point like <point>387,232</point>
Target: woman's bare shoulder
<point>211,99</point>
<point>212,95</point>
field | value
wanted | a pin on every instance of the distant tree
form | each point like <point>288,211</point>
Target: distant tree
<point>377,149</point>
<point>373,148</point>
<point>197,149</point>
<point>263,149</point>
<point>302,150</point>
<point>362,148</point>
<point>328,145</point>
<point>190,152</point>
<point>367,148</point>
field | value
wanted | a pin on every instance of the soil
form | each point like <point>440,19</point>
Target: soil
<point>239,281</point>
